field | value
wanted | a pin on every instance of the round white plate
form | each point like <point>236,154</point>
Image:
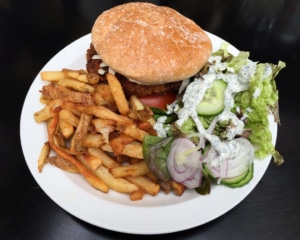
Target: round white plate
<point>114,211</point>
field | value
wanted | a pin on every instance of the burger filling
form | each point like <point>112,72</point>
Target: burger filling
<point>96,65</point>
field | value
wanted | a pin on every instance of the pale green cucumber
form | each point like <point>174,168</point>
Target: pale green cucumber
<point>213,101</point>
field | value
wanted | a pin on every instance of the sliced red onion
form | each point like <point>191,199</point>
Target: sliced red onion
<point>184,163</point>
<point>241,156</point>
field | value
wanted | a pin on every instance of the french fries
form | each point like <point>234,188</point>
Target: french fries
<point>94,131</point>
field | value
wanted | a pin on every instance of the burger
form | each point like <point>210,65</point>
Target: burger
<point>151,49</point>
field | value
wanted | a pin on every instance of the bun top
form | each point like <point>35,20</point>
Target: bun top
<point>150,44</point>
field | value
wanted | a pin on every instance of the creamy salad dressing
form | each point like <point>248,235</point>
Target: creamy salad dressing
<point>195,91</point>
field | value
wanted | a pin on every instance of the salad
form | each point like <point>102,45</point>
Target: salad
<point>217,125</point>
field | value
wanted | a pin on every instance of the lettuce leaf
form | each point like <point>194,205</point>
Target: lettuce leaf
<point>258,102</point>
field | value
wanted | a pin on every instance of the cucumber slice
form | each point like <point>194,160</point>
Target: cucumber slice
<point>246,179</point>
<point>235,182</point>
<point>213,101</point>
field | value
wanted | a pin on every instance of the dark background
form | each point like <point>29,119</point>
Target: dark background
<point>33,31</point>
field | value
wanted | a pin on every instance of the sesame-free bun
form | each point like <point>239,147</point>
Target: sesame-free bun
<point>150,44</point>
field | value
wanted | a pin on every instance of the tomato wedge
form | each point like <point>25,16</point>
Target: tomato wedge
<point>158,101</point>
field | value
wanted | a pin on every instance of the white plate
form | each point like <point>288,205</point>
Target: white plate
<point>152,215</point>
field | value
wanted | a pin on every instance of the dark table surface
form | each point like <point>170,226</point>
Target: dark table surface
<point>32,31</point>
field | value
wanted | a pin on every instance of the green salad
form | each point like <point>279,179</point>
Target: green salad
<point>218,124</point>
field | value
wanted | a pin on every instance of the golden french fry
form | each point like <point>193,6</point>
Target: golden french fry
<point>117,184</point>
<point>147,127</point>
<point>76,85</point>
<point>80,132</point>
<point>177,188</point>
<point>132,131</point>
<point>137,195</point>
<point>52,76</point>
<point>134,170</point>
<point>143,112</point>
<point>81,75</point>
<point>103,123</point>
<point>67,116</point>
<point>151,176</point>
<point>66,128</point>
<point>92,78</point>
<point>105,127</point>
<point>62,163</point>
<point>104,113</point>
<point>118,94</point>
<point>44,99</point>
<point>99,100</point>
<point>55,91</point>
<point>118,143</point>
<point>104,91</point>
<point>91,161</point>
<point>133,149</point>
<point>144,183</point>
<point>42,160</point>
<point>107,161</point>
<point>92,140</point>
<point>48,111</point>
<point>107,148</point>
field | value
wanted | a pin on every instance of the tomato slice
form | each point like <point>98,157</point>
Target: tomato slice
<point>158,101</point>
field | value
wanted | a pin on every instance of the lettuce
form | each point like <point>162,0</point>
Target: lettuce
<point>258,102</point>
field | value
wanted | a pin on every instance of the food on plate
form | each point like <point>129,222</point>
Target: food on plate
<point>157,110</point>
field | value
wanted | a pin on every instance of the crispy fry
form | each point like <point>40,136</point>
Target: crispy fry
<point>152,177</point>
<point>80,132</point>
<point>144,183</point>
<point>76,85</point>
<point>117,184</point>
<point>66,128</point>
<point>118,143</point>
<point>82,75</point>
<point>68,117</point>
<point>62,163</point>
<point>92,161</point>
<point>107,148</point>
<point>118,94</point>
<point>100,101</point>
<point>82,169</point>
<point>143,112</point>
<point>48,111</point>
<point>104,113</point>
<point>92,140</point>
<point>52,76</point>
<point>107,161</point>
<point>137,195</point>
<point>134,170</point>
<point>177,188</point>
<point>55,91</point>
<point>132,131</point>
<point>103,123</point>
<point>133,149</point>
<point>104,91</point>
<point>105,127</point>
<point>42,160</point>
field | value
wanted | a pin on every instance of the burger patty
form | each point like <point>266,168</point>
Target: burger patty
<point>129,87</point>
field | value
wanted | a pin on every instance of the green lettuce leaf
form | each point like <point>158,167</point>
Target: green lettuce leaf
<point>258,102</point>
